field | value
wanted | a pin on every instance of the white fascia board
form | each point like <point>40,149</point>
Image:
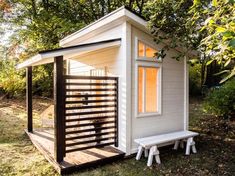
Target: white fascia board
<point>75,51</point>
<point>136,20</point>
<point>95,25</point>
<point>48,57</point>
<point>29,62</point>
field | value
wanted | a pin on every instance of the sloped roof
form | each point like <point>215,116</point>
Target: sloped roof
<point>47,56</point>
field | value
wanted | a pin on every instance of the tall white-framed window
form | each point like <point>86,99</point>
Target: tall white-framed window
<point>148,82</point>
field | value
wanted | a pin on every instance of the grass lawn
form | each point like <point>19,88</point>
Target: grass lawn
<point>215,145</point>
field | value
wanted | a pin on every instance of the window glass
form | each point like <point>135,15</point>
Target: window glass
<point>140,49</point>
<point>150,52</point>
<point>151,89</point>
<point>140,89</point>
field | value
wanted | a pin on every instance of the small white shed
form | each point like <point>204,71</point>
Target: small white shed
<point>153,94</point>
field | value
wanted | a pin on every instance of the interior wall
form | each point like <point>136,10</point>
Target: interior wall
<point>99,60</point>
<point>172,103</point>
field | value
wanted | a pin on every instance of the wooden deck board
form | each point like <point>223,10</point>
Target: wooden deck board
<point>44,141</point>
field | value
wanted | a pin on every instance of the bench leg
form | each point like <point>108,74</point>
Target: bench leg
<point>140,151</point>
<point>190,143</point>
<point>176,145</point>
<point>157,157</point>
<point>146,153</point>
<point>189,140</point>
<point>193,147</point>
<point>153,152</point>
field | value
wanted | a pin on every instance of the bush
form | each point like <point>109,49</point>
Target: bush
<point>221,100</point>
<point>43,80</point>
<point>12,81</point>
<point>195,80</point>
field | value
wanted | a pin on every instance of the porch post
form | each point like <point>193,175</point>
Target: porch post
<point>59,112</point>
<point>29,98</point>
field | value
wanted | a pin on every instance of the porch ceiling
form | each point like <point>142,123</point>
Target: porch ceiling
<point>44,57</point>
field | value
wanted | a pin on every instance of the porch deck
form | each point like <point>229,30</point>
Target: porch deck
<point>44,140</point>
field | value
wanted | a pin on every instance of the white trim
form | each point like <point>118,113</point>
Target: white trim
<point>159,90</point>
<point>186,94</point>
<point>144,58</point>
<point>48,57</point>
<point>128,56</point>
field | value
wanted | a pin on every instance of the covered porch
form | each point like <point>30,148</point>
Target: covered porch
<point>85,131</point>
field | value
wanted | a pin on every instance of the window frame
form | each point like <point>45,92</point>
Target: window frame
<point>144,58</point>
<point>159,90</point>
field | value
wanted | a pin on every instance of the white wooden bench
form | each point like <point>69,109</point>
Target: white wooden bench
<point>152,143</point>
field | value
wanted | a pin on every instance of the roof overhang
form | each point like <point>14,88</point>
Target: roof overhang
<point>114,18</point>
<point>44,57</point>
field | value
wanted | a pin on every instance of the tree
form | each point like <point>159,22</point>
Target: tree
<point>34,25</point>
<point>219,25</point>
<point>203,25</point>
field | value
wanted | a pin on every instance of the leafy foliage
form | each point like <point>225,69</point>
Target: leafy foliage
<point>206,26</point>
<point>34,25</point>
<point>11,81</point>
<point>221,101</point>
<point>195,79</point>
<point>169,23</point>
<point>43,80</point>
<point>219,26</point>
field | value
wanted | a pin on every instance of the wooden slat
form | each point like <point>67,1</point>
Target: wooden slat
<point>116,119</point>
<point>90,124</point>
<point>91,135</point>
<point>90,107</point>
<point>90,101</point>
<point>89,77</point>
<point>89,84</point>
<point>90,129</point>
<point>90,95</point>
<point>90,118</point>
<point>88,147</point>
<point>89,141</point>
<point>110,91</point>
<point>89,112</point>
<point>90,90</point>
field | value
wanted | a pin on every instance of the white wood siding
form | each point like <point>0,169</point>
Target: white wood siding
<point>108,32</point>
<point>172,116</point>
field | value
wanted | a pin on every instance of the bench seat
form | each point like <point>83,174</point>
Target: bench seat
<point>152,143</point>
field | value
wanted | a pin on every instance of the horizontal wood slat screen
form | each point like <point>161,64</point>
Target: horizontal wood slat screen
<point>91,112</point>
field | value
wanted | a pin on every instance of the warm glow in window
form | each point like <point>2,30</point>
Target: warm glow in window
<point>150,52</point>
<point>147,89</point>
<point>145,51</point>
<point>151,89</point>
<point>140,49</point>
<point>140,88</point>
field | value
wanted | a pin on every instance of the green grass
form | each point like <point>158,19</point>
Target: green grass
<point>216,148</point>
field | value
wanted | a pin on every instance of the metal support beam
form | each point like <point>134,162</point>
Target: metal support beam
<point>59,109</point>
<point>29,99</point>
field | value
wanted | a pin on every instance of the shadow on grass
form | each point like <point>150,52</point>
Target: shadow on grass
<point>17,154</point>
<point>216,155</point>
